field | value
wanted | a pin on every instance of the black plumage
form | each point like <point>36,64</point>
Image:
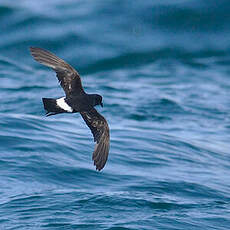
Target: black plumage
<point>76,100</point>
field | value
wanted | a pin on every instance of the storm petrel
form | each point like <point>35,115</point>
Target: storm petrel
<point>76,100</point>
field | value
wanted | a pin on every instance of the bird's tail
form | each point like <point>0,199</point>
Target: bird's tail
<point>50,105</point>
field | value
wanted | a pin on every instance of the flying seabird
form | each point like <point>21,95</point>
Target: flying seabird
<point>76,100</point>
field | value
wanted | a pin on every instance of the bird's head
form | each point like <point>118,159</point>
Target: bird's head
<point>98,100</point>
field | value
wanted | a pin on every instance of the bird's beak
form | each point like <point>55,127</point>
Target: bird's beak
<point>101,104</point>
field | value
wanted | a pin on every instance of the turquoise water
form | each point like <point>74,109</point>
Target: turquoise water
<point>163,70</point>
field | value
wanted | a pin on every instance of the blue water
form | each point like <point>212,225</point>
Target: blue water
<point>163,69</point>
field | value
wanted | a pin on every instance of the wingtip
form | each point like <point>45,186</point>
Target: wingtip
<point>32,48</point>
<point>99,166</point>
<point>98,169</point>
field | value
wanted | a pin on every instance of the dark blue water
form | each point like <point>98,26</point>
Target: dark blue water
<point>163,68</point>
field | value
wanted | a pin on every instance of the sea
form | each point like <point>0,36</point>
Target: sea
<point>163,69</point>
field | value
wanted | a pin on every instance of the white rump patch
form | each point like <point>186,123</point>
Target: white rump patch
<point>63,105</point>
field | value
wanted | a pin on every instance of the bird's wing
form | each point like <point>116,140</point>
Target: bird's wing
<point>68,77</point>
<point>100,130</point>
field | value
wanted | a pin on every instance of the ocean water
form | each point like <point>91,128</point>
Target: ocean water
<point>163,69</point>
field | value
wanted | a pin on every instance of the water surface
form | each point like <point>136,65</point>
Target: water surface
<point>163,71</point>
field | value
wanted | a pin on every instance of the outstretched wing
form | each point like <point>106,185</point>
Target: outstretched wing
<point>68,77</point>
<point>100,129</point>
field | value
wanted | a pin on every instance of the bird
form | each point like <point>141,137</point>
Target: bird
<point>76,100</point>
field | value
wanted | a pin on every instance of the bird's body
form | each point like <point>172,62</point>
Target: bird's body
<point>76,100</point>
<point>70,104</point>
